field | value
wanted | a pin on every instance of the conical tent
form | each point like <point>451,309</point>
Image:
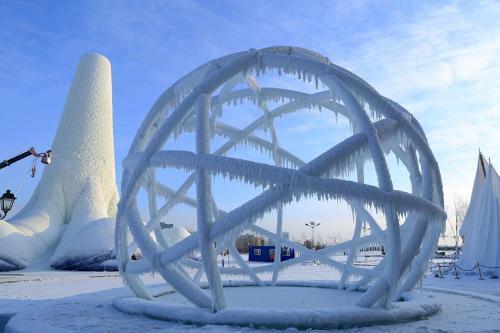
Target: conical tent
<point>470,218</point>
<point>482,225</point>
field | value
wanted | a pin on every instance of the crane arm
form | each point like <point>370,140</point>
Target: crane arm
<point>27,153</point>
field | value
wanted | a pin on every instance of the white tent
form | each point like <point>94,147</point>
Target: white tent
<point>481,226</point>
<point>470,218</point>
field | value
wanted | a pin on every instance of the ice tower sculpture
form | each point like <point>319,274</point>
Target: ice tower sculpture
<point>194,109</point>
<point>72,211</point>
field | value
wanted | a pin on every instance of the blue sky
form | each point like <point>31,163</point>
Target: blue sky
<point>439,59</point>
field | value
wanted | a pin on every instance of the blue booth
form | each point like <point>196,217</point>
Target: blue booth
<point>266,253</point>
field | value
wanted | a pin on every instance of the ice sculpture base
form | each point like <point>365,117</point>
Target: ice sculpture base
<point>7,266</point>
<point>104,261</point>
<point>296,304</point>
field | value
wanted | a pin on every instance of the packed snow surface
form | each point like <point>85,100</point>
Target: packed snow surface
<point>296,297</point>
<point>82,301</point>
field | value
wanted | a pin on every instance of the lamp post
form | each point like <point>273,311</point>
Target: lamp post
<point>313,225</point>
<point>6,202</point>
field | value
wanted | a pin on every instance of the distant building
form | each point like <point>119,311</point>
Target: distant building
<point>266,253</point>
<point>286,235</point>
<point>243,242</point>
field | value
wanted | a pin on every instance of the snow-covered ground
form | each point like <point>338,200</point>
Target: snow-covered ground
<point>82,301</point>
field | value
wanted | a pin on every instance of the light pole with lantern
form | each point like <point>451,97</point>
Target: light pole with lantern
<point>313,225</point>
<point>6,201</point>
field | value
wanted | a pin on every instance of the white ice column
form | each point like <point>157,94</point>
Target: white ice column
<point>79,187</point>
<point>203,195</point>
<point>277,244</point>
<point>353,253</point>
<point>84,161</point>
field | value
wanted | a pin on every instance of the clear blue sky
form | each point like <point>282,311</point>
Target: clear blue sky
<point>441,60</point>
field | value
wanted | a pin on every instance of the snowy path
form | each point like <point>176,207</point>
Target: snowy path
<point>82,301</point>
<point>468,283</point>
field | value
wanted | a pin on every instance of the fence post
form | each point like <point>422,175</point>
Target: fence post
<point>440,274</point>
<point>480,274</point>
<point>456,273</point>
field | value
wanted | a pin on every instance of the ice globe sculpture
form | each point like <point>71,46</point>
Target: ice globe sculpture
<point>193,107</point>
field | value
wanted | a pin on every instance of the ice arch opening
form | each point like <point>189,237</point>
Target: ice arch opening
<point>195,103</point>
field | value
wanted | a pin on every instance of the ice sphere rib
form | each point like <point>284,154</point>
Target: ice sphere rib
<point>203,189</point>
<point>390,129</point>
<point>73,207</point>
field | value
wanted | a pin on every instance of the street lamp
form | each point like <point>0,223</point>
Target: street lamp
<point>313,225</point>
<point>6,202</point>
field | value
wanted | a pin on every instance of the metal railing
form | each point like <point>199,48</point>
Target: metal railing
<point>447,267</point>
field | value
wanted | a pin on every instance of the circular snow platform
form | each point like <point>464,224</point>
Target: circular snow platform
<point>302,305</point>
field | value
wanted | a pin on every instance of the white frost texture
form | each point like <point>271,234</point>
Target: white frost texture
<point>72,211</point>
<point>194,105</point>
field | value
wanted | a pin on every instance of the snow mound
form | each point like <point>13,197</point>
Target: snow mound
<point>306,307</point>
<point>175,234</point>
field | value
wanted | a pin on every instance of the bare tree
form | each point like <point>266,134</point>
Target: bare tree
<point>243,242</point>
<point>460,206</point>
